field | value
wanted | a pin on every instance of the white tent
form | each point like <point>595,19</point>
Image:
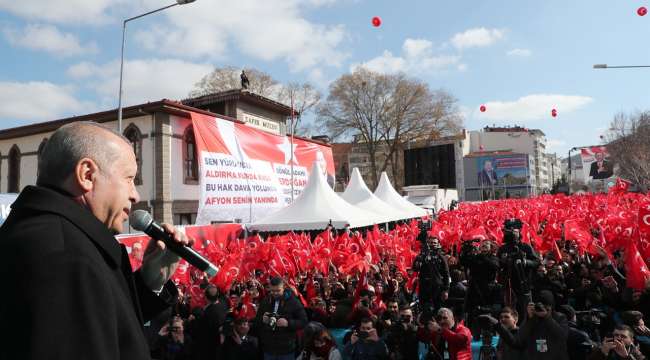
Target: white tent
<point>387,194</point>
<point>357,193</point>
<point>315,208</point>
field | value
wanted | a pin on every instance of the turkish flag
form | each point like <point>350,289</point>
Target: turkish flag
<point>577,230</point>
<point>644,218</point>
<point>621,185</point>
<point>636,270</point>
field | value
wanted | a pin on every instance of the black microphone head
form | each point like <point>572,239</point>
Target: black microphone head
<point>140,220</point>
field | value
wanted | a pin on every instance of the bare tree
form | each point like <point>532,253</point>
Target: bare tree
<point>305,96</point>
<point>227,78</point>
<point>384,112</point>
<point>628,144</point>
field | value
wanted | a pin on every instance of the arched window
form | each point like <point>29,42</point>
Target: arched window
<point>38,154</point>
<point>133,134</point>
<point>13,176</point>
<point>190,161</point>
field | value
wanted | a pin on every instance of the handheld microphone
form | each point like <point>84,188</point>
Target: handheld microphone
<point>142,221</point>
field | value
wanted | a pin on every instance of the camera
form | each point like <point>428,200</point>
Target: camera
<point>273,320</point>
<point>423,228</point>
<point>590,318</point>
<point>540,307</point>
<point>362,334</point>
<point>365,303</point>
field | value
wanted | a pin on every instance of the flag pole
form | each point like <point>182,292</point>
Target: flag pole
<point>291,147</point>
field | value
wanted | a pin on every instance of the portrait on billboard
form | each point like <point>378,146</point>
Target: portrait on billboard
<point>597,158</point>
<point>487,176</point>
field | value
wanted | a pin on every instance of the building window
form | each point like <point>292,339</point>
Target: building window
<point>190,159</point>
<point>13,178</point>
<point>133,134</point>
<point>38,154</point>
<point>185,219</point>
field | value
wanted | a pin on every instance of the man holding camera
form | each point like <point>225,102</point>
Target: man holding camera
<point>517,260</point>
<point>433,276</point>
<point>365,343</point>
<point>278,318</point>
<point>483,266</point>
<point>619,346</point>
<point>543,334</point>
<point>450,340</point>
<point>402,340</point>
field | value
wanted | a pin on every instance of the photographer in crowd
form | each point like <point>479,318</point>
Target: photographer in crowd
<point>618,347</point>
<point>543,335</point>
<point>237,344</point>
<point>517,260</point>
<point>433,274</point>
<point>481,266</point>
<point>278,318</point>
<point>321,346</point>
<point>365,343</point>
<point>172,342</point>
<point>402,338</point>
<point>508,319</point>
<point>579,345</point>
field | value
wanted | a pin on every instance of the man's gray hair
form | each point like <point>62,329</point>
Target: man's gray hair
<point>71,143</point>
<point>447,311</point>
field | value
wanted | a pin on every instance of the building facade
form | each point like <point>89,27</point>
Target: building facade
<point>518,140</point>
<point>163,140</point>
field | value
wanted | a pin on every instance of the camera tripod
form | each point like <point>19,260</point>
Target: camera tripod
<point>486,351</point>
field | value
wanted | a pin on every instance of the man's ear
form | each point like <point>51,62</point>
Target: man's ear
<point>85,173</point>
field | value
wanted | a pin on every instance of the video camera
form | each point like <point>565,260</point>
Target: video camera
<point>590,318</point>
<point>423,228</point>
<point>273,320</point>
<point>511,224</point>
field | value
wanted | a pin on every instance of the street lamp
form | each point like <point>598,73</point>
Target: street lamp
<point>119,101</point>
<point>605,66</point>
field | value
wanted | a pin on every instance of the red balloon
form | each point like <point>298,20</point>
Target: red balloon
<point>553,113</point>
<point>376,21</point>
<point>482,108</point>
<point>642,11</point>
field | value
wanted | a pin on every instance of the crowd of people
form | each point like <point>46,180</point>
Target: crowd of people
<point>550,277</point>
<point>572,306</point>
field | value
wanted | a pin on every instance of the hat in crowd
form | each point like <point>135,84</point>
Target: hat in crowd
<point>567,310</point>
<point>631,317</point>
<point>546,297</point>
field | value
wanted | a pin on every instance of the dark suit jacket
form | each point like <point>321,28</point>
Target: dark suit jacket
<point>68,288</point>
<point>487,178</point>
<point>593,170</point>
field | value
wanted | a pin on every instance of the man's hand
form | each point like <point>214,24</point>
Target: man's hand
<point>158,264</point>
<point>372,335</point>
<point>282,322</point>
<point>620,349</point>
<point>236,338</point>
<point>531,310</point>
<point>608,344</point>
<point>435,327</point>
<point>354,338</point>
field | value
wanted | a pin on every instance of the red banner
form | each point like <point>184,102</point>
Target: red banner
<point>246,173</point>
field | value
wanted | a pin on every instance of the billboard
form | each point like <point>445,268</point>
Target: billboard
<point>496,176</point>
<point>597,163</point>
<point>246,174</point>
